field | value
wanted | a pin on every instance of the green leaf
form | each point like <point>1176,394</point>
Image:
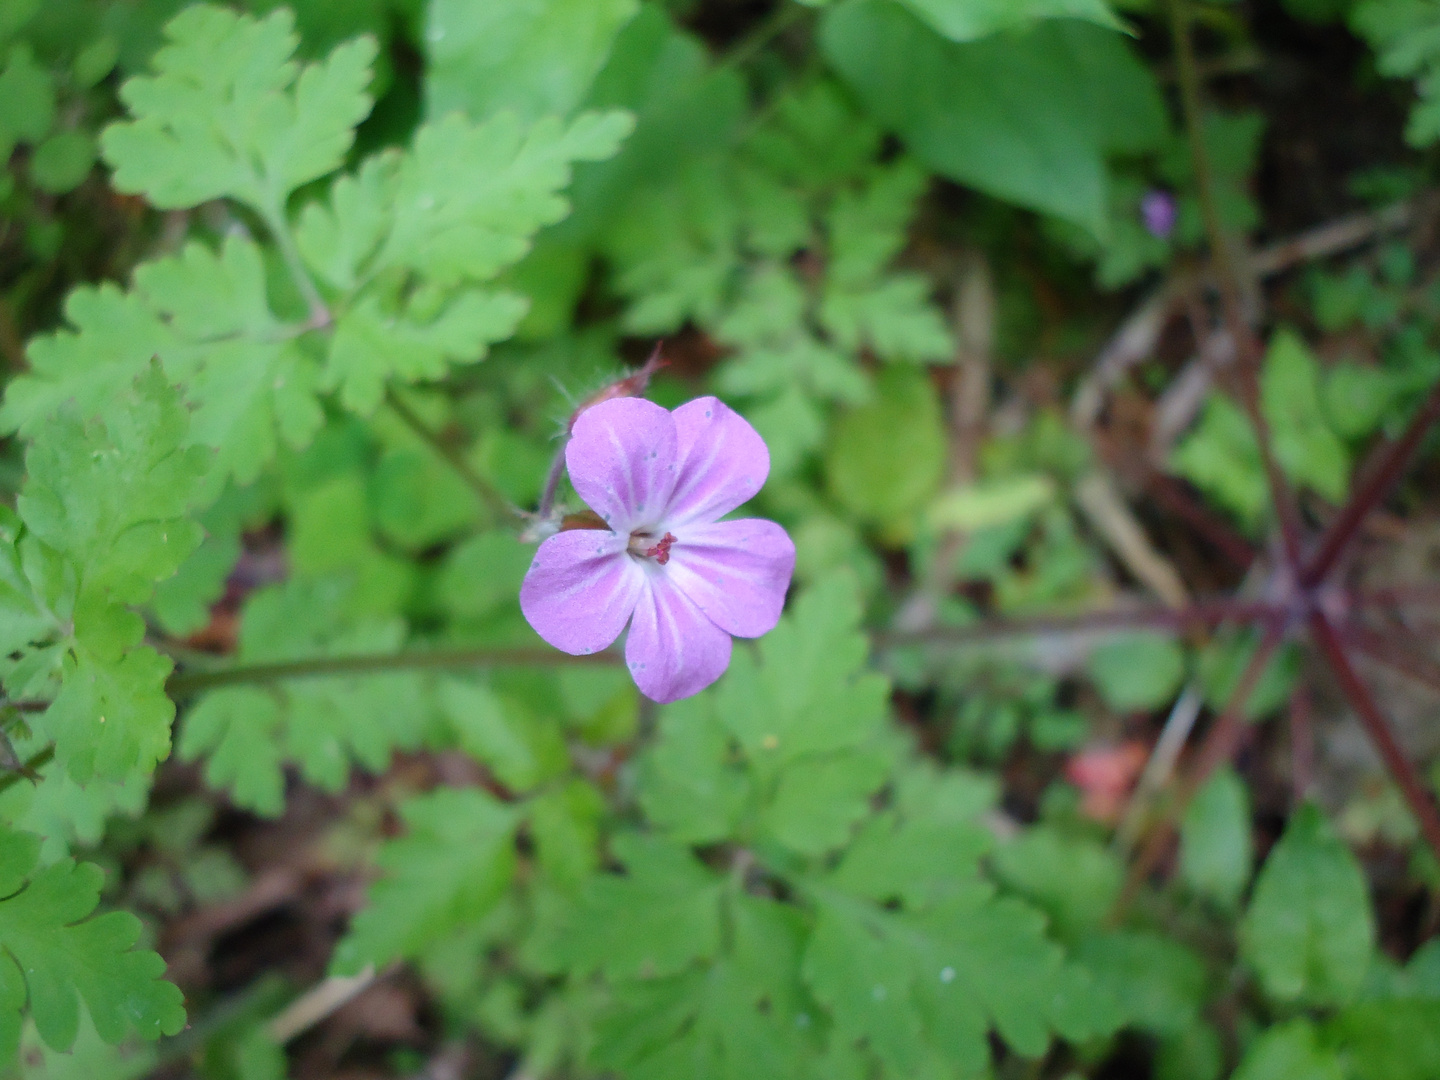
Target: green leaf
<point>1027,117</point>
<point>1159,985</point>
<point>112,494</point>
<point>323,723</point>
<point>1308,451</point>
<point>744,1015</point>
<point>966,20</point>
<point>1388,1040</point>
<point>55,956</point>
<point>811,693</point>
<point>1137,671</point>
<point>1222,458</point>
<point>372,345</point>
<point>1309,931</point>
<point>27,99</point>
<point>521,749</point>
<point>428,892</point>
<point>1403,35</point>
<point>1356,398</point>
<point>229,113</point>
<point>62,161</point>
<point>534,59</point>
<point>654,920</point>
<point>1076,881</point>
<point>1215,845</point>
<point>688,784</point>
<point>1289,1052</point>
<point>940,978</point>
<point>884,460</point>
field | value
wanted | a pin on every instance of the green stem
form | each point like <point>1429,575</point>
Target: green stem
<point>769,28</point>
<point>285,241</point>
<point>495,502</point>
<point>187,683</point>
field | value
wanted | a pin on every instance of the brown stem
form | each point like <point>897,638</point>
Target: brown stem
<point>1247,348</point>
<point>1171,494</point>
<point>495,502</point>
<point>1407,777</point>
<point>1302,743</point>
<point>1198,615</point>
<point>1394,654</point>
<point>1375,487</point>
<point>185,683</point>
<point>27,772</point>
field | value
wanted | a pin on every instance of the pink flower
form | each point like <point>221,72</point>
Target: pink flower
<point>684,580</point>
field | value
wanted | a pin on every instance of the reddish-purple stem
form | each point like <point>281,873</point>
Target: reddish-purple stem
<point>1220,745</point>
<point>1378,728</point>
<point>1394,652</point>
<point>1170,493</point>
<point>1302,742</point>
<point>1374,488</point>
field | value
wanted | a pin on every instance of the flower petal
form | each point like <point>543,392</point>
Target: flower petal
<point>580,589</point>
<point>723,462</point>
<point>622,461</point>
<point>673,650</point>
<point>736,572</point>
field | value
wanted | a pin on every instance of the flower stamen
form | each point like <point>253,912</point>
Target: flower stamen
<point>659,551</point>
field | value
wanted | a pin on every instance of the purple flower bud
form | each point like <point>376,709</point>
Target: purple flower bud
<point>1157,211</point>
<point>664,563</point>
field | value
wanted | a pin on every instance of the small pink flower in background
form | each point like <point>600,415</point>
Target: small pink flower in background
<point>1157,212</point>
<point>665,564</point>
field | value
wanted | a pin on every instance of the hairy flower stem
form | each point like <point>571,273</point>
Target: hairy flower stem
<point>1247,347</point>
<point>552,482</point>
<point>495,502</point>
<point>1375,487</point>
<point>1412,786</point>
<point>187,683</point>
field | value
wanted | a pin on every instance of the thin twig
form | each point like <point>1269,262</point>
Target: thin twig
<point>1374,488</point>
<point>186,683</point>
<point>495,502</point>
<point>1161,765</point>
<point>1406,776</point>
<point>1220,745</point>
<point>1113,519</point>
<point>37,760</point>
<point>322,1000</point>
<point>1198,615</point>
<point>1228,281</point>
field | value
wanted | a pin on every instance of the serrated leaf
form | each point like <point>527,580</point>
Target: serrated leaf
<point>819,799</point>
<point>229,113</point>
<point>688,786</point>
<point>654,920</point>
<point>1075,880</point>
<point>944,976</point>
<point>1309,931</point>
<point>112,495</point>
<point>325,724</point>
<point>809,694</point>
<point>428,892</point>
<point>59,956</point>
<point>534,59</point>
<point>468,197</point>
<point>371,346</point>
<point>522,750</point>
